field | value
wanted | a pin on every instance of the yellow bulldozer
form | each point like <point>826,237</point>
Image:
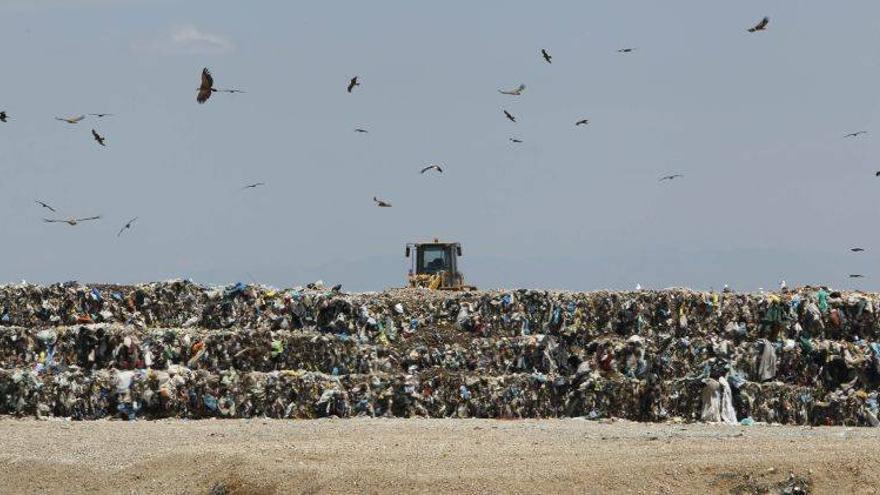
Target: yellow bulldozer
<point>435,265</point>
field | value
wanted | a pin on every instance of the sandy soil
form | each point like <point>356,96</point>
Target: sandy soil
<point>430,456</point>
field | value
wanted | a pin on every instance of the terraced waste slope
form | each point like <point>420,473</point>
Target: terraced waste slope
<point>177,349</point>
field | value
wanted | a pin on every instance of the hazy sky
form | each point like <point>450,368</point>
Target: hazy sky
<point>754,121</point>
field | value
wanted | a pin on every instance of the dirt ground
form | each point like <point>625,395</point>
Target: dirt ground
<point>262,457</point>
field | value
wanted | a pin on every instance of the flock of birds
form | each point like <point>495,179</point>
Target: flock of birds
<point>207,88</point>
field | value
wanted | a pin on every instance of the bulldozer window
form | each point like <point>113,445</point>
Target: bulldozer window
<point>433,260</point>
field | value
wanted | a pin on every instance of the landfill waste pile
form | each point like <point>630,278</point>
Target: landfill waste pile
<point>177,349</point>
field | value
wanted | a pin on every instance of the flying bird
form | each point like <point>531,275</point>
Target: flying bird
<point>71,221</point>
<point>514,92</point>
<point>380,203</point>
<point>582,122</point>
<point>3,116</point>
<point>101,115</point>
<point>511,117</point>
<point>99,138</point>
<point>207,87</point>
<point>362,131</point>
<point>670,177</point>
<point>126,226</point>
<point>626,50</point>
<point>432,167</point>
<point>71,120</point>
<point>546,56</point>
<point>856,275</point>
<point>515,140</point>
<point>44,205</point>
<point>855,134</point>
<point>761,26</point>
<point>354,82</point>
<point>877,173</point>
<point>253,186</point>
<point>857,249</point>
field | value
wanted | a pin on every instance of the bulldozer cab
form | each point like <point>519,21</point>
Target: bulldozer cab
<point>435,265</point>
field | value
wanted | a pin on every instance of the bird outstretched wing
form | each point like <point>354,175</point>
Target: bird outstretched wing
<point>126,226</point>
<point>205,88</point>
<point>207,79</point>
<point>44,205</point>
<point>761,25</point>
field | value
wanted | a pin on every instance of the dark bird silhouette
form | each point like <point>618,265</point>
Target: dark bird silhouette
<point>626,50</point>
<point>99,138</point>
<point>546,56</point>
<point>877,173</point>
<point>511,117</point>
<point>761,26</point>
<point>855,134</point>
<point>857,249</point>
<point>207,87</point>
<point>71,120</point>
<point>514,92</point>
<point>363,131</point>
<point>253,186</point>
<point>354,82</point>
<point>44,205</point>
<point>432,167</point>
<point>670,177</point>
<point>3,116</point>
<point>514,140</point>
<point>582,122</point>
<point>101,115</point>
<point>126,226</point>
<point>71,221</point>
<point>380,203</point>
<point>856,275</point>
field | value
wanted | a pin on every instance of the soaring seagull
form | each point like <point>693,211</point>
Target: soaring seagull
<point>101,115</point>
<point>71,120</point>
<point>515,140</point>
<point>509,116</point>
<point>362,131</point>
<point>44,205</point>
<point>546,56</point>
<point>432,167</point>
<point>126,226</point>
<point>761,26</point>
<point>354,82</point>
<point>857,249</point>
<point>207,87</point>
<point>582,122</point>
<point>380,203</point>
<point>626,50</point>
<point>514,92</point>
<point>253,186</point>
<point>3,116</point>
<point>71,221</point>
<point>670,177</point>
<point>855,134</point>
<point>856,275</point>
<point>99,138</point>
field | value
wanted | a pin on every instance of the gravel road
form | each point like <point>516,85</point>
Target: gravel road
<point>262,457</point>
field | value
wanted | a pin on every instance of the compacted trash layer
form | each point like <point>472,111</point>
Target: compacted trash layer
<point>178,349</point>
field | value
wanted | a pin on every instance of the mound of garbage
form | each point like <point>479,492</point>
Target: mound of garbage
<point>178,349</point>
